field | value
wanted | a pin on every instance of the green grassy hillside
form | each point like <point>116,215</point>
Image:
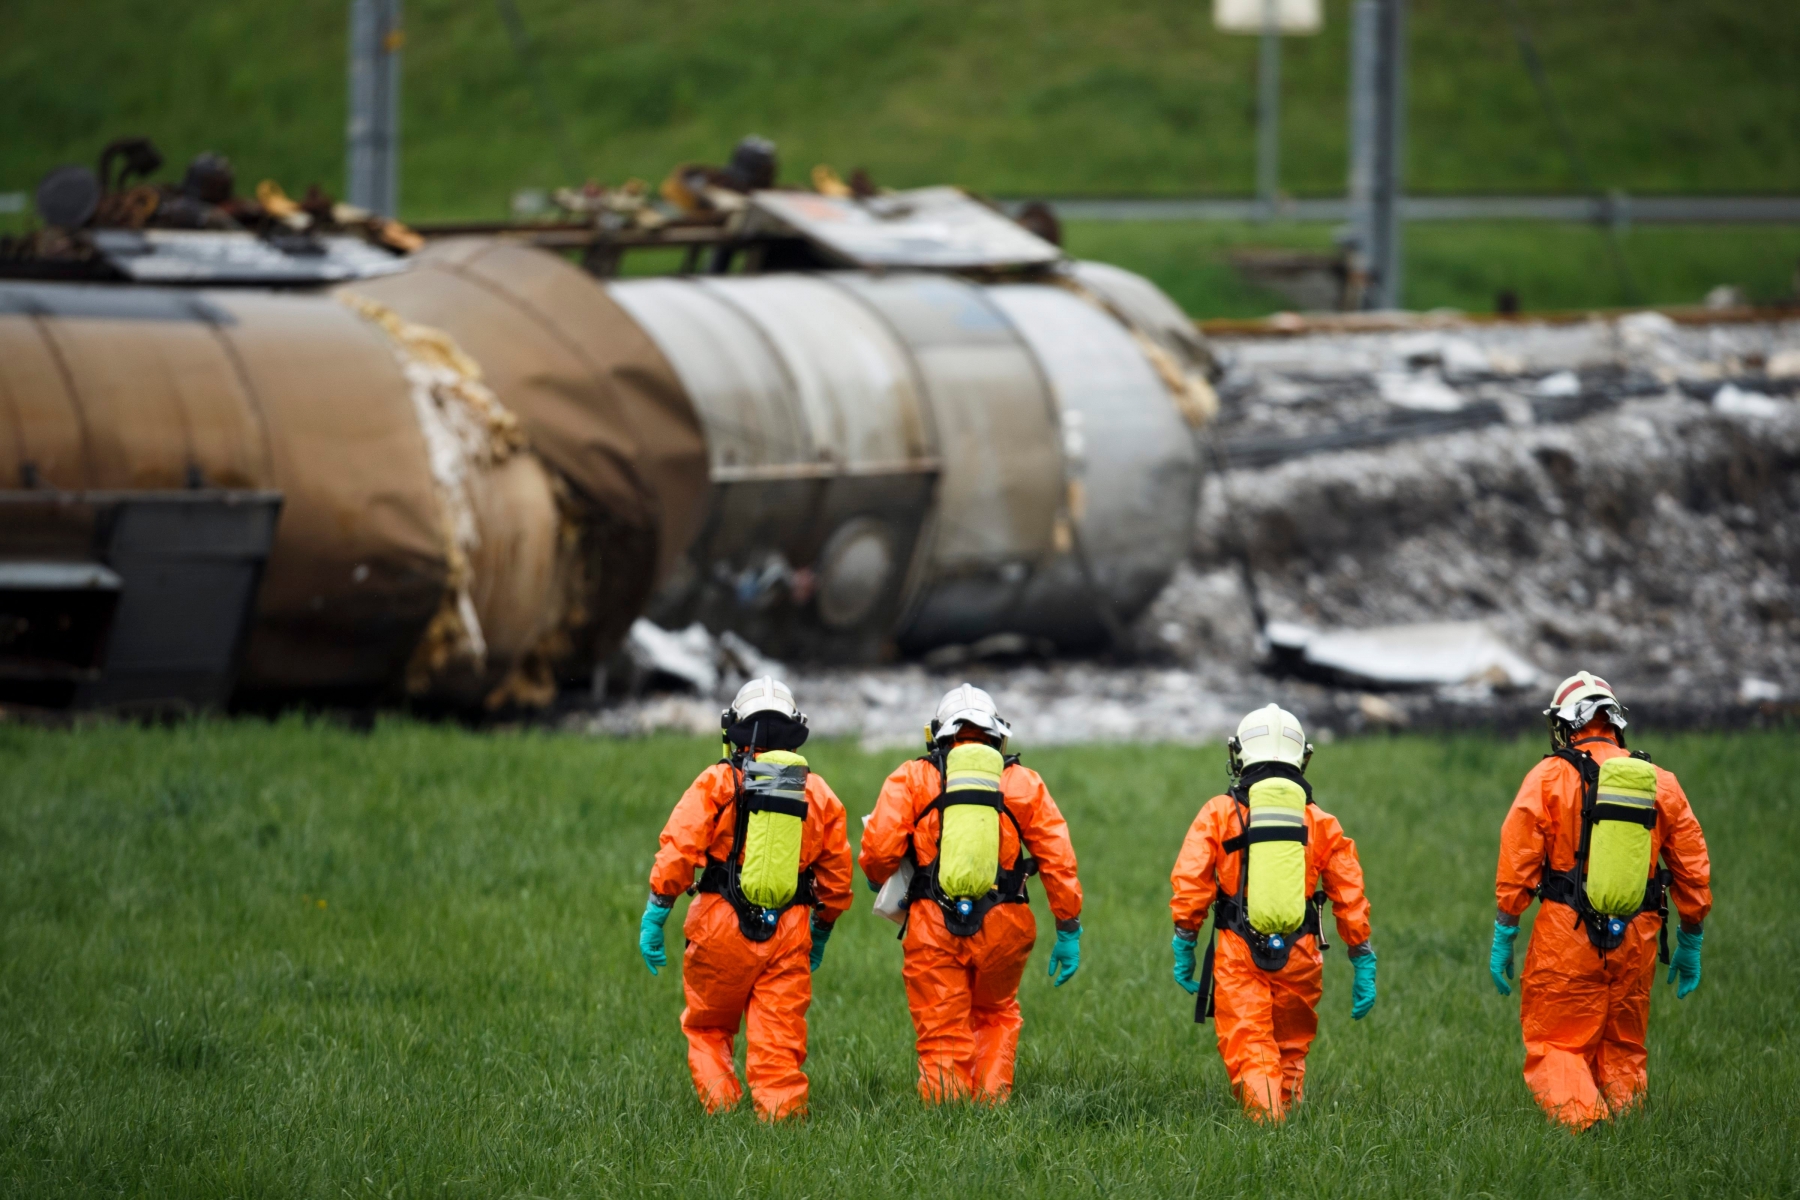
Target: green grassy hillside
<point>291,960</point>
<point>1026,96</point>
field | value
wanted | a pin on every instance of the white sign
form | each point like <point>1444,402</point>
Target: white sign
<point>1246,16</point>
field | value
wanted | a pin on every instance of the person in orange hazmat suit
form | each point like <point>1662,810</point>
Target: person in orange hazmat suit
<point>1265,858</point>
<point>767,836</point>
<point>1584,835</point>
<point>975,824</point>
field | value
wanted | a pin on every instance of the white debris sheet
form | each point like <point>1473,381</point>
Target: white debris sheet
<point>694,658</point>
<point>1440,652</point>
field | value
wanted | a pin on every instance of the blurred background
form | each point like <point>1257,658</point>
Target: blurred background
<point>1647,98</point>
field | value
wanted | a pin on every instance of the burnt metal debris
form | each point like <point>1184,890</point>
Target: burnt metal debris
<point>114,225</point>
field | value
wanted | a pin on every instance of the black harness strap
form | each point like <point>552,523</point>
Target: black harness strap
<point>718,878</point>
<point>1268,833</point>
<point>1203,999</point>
<point>775,804</point>
<point>979,799</point>
<point>1631,813</point>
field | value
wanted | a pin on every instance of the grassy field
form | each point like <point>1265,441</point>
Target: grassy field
<point>291,960</point>
<point>1136,97</point>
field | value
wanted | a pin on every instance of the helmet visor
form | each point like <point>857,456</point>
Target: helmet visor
<point>1579,712</point>
<point>986,721</point>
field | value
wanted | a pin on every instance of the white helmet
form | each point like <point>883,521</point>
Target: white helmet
<point>967,705</point>
<point>1271,734</point>
<point>767,694</point>
<point>1575,702</point>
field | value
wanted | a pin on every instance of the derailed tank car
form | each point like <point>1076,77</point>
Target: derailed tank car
<point>915,459</point>
<point>431,542</point>
<point>491,461</point>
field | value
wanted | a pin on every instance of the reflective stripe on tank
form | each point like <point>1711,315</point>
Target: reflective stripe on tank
<point>1616,791</point>
<point>1260,817</point>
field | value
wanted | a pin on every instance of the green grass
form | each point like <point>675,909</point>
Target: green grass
<point>247,959</point>
<point>1048,96</point>
<point>1464,265</point>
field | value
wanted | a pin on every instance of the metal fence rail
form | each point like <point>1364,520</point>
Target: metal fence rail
<point>1616,209</point>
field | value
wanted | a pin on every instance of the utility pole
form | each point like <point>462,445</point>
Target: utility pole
<point>1377,152</point>
<point>1268,111</point>
<point>1271,20</point>
<point>372,136</point>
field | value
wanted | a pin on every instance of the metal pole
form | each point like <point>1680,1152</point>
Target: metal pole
<point>1268,111</point>
<point>1359,191</point>
<point>1376,184</point>
<point>372,135</point>
<point>1387,284</point>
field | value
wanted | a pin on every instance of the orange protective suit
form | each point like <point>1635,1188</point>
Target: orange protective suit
<point>964,992</point>
<point>1584,1014</point>
<point>1266,1020</point>
<point>723,973</point>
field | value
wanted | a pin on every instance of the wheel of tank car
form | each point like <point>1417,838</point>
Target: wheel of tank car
<point>855,570</point>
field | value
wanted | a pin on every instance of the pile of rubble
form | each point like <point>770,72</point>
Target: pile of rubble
<point>1049,702</point>
<point>1631,510</point>
<point>1617,495</point>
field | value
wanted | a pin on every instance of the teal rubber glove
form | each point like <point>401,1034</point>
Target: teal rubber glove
<point>1362,992</point>
<point>1184,961</point>
<point>1500,957</point>
<point>821,933</point>
<point>1065,957</point>
<point>1687,962</point>
<point>650,934</point>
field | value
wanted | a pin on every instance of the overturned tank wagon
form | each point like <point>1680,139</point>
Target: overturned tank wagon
<point>847,429</point>
<point>423,547</point>
<point>931,429</point>
<point>594,397</point>
<point>908,460</point>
